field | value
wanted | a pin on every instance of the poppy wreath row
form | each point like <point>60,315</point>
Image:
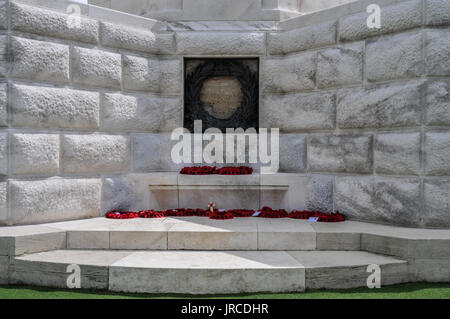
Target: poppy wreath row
<point>265,212</point>
<point>212,170</point>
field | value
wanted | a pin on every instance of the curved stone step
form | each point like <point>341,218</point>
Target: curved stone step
<point>204,272</point>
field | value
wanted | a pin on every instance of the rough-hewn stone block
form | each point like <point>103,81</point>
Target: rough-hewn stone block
<point>302,39</point>
<point>437,50</point>
<point>36,20</point>
<point>39,61</point>
<point>397,153</point>
<point>152,153</point>
<point>4,56</point>
<point>296,112</point>
<point>320,193</point>
<point>437,12</point>
<point>401,16</point>
<point>3,15</point>
<point>220,43</point>
<point>3,153</point>
<point>95,153</point>
<point>340,65</point>
<point>437,203</point>
<point>384,106</point>
<point>437,153</point>
<point>292,74</point>
<point>64,199</point>
<point>35,154</point>
<point>140,74</point>
<point>382,200</point>
<point>129,38</point>
<point>3,202</point>
<point>3,104</point>
<point>96,68</point>
<point>141,113</point>
<point>49,107</point>
<point>438,103</point>
<point>292,153</point>
<point>395,57</point>
<point>340,153</point>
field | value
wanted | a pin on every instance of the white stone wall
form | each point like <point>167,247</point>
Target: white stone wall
<point>364,115</point>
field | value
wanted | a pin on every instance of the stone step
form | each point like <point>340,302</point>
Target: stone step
<point>205,272</point>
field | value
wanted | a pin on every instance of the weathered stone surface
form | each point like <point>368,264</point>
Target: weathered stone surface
<point>141,113</point>
<point>383,106</point>
<point>292,153</point>
<point>141,74</point>
<point>437,12</point>
<point>3,14</point>
<point>437,50</point>
<point>4,56</point>
<point>152,153</point>
<point>340,153</point>
<point>170,76</point>
<point>49,107</point>
<point>40,61</point>
<point>292,74</point>
<point>438,103</point>
<point>302,39</point>
<point>340,65</point>
<point>4,269</point>
<point>129,38</point>
<point>64,199</point>
<point>397,153</point>
<point>96,68</point>
<point>35,154</point>
<point>32,19</point>
<point>320,193</point>
<point>3,153</point>
<point>295,112</point>
<point>220,43</point>
<point>437,152</point>
<point>3,202</point>
<point>3,105</point>
<point>118,194</point>
<point>95,153</point>
<point>437,203</point>
<point>394,57</point>
<point>397,17</point>
<point>393,201</point>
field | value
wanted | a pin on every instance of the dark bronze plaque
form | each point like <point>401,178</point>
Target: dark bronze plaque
<point>223,93</point>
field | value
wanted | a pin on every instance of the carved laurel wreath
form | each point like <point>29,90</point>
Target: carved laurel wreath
<point>245,116</point>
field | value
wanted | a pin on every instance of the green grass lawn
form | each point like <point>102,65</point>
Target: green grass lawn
<point>403,291</point>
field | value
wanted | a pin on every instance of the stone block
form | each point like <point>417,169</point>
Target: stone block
<point>3,105</point>
<point>397,153</point>
<point>437,99</point>
<point>297,112</point>
<point>50,239</point>
<point>3,153</point>
<point>65,199</point>
<point>35,154</point>
<point>383,106</point>
<point>303,38</point>
<point>437,48</point>
<point>156,240</point>
<point>129,38</point>
<point>32,19</point>
<point>88,239</point>
<point>170,76</point>
<point>437,152</point>
<point>394,57</point>
<point>292,153</point>
<point>437,12</point>
<point>4,56</point>
<point>39,60</point>
<point>394,18</point>
<point>3,15</point>
<point>4,270</point>
<point>380,200</point>
<point>320,193</point>
<point>341,65</point>
<point>152,153</point>
<point>42,107</point>
<point>292,237</point>
<point>231,43</point>
<point>96,68</point>
<point>141,113</point>
<point>95,153</point>
<point>119,193</point>
<point>437,203</point>
<point>141,74</point>
<point>291,74</point>
<point>3,203</point>
<point>340,153</point>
